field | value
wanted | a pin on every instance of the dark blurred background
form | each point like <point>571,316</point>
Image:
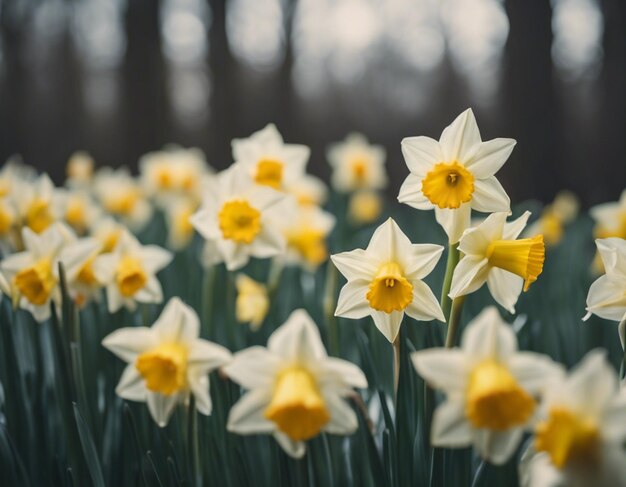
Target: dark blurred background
<point>119,78</point>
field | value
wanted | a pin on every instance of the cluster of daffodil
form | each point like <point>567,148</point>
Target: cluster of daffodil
<point>78,249</point>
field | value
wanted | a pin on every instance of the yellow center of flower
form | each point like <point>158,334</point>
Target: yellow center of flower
<point>38,215</point>
<point>86,275</point>
<point>365,206</point>
<point>310,244</point>
<point>551,228</point>
<point>448,185</point>
<point>390,290</point>
<point>75,214</point>
<point>131,276</point>
<point>123,203</point>
<point>6,221</point>
<point>5,187</point>
<point>182,225</point>
<point>297,406</point>
<point>239,221</point>
<point>494,399</point>
<point>164,178</point>
<point>269,172</point>
<point>359,168</point>
<point>252,302</point>
<point>36,282</point>
<point>567,436</point>
<point>618,230</point>
<point>109,240</point>
<point>523,257</point>
<point>164,368</point>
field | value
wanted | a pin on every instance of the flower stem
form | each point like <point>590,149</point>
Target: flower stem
<point>453,321</point>
<point>208,281</point>
<point>329,309</point>
<point>194,446</point>
<point>396,367</point>
<point>453,260</point>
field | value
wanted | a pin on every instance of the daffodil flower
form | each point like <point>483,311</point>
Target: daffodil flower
<point>610,218</point>
<point>33,273</point>
<point>36,203</point>
<point>385,280</point>
<point>308,190</point>
<point>607,295</point>
<point>129,273</point>
<point>306,235</point>
<point>455,174</point>
<point>364,207</point>
<point>237,218</point>
<point>78,259</point>
<point>357,165</point>
<point>266,159</point>
<point>78,209</point>
<point>494,255</point>
<point>551,223</point>
<point>580,430</point>
<point>296,391</point>
<point>178,217</point>
<point>252,302</point>
<point>491,388</point>
<point>79,170</point>
<point>107,231</point>
<point>167,362</point>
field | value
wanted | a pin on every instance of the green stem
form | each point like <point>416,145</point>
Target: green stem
<point>194,445</point>
<point>396,367</point>
<point>453,322</point>
<point>208,280</point>
<point>329,308</point>
<point>453,260</point>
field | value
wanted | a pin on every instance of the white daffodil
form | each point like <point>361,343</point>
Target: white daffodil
<point>79,170</point>
<point>121,196</point>
<point>580,435</point>
<point>295,390</point>
<point>356,164</point>
<point>306,235</point>
<point>308,190</point>
<point>7,221</point>
<point>610,218</point>
<point>236,219</point>
<point>178,217</point>
<point>607,295</point>
<point>107,231</point>
<point>173,172</point>
<point>33,273</point>
<point>252,302</point>
<point>456,174</point>
<point>551,223</point>
<point>492,255</point>
<point>385,280</point>
<point>78,209</point>
<point>491,388</point>
<point>167,362</point>
<point>78,259</point>
<point>364,207</point>
<point>36,203</point>
<point>268,160</point>
<point>129,273</point>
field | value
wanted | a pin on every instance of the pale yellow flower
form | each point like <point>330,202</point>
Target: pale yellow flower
<point>252,302</point>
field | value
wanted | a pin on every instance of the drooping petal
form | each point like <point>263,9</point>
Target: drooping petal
<point>490,157</point>
<point>199,385</point>
<point>469,275</point>
<point>450,427</point>
<point>489,196</point>
<point>442,368</point>
<point>254,367</point>
<point>295,449</point>
<point>129,342</point>
<point>425,306</point>
<point>343,420</point>
<point>513,229</point>
<point>352,302</point>
<point>246,416</point>
<point>388,323</point>
<point>454,222</point>
<point>505,288</point>
<point>461,139</point>
<point>161,406</point>
<point>421,154</point>
<point>131,385</point>
<point>497,446</point>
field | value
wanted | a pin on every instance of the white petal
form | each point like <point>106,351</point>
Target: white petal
<point>387,239</point>
<point>533,370</point>
<point>337,373</point>
<point>490,157</point>
<point>343,421</point>
<point>469,275</point>
<point>246,416</point>
<point>152,292</point>
<point>450,428</point>
<point>505,287</point>
<point>114,299</point>
<point>354,265</point>
<point>131,385</point>
<point>129,342</point>
<point>388,323</point>
<point>421,154</point>
<point>454,222</point>
<point>269,243</point>
<point>593,383</point>
<point>489,196</point>
<point>488,335</point>
<point>207,356</point>
<point>497,446</point>
<point>104,267</point>
<point>177,322</point>
<point>161,407</point>
<point>420,260</point>
<point>442,368</point>
<point>199,386</point>
<point>352,302</point>
<point>155,258</point>
<point>295,449</point>
<point>298,338</point>
<point>425,306</point>
<point>475,241</point>
<point>254,367</point>
<point>606,298</point>
<point>513,229</point>
<point>538,471</point>
<point>411,193</point>
<point>461,139</point>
